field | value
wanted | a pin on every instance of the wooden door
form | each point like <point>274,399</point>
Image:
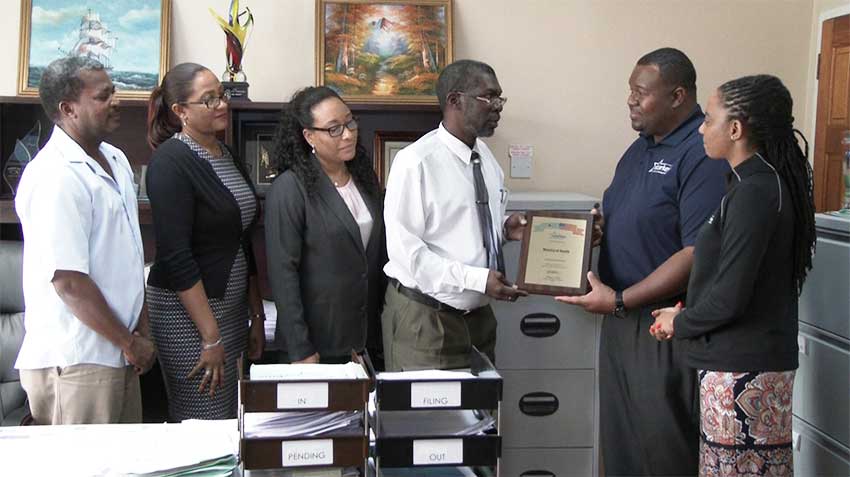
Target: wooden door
<point>833,113</point>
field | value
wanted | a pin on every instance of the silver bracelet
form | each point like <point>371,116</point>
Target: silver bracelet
<point>206,346</point>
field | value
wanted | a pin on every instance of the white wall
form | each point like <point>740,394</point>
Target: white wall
<point>564,64</point>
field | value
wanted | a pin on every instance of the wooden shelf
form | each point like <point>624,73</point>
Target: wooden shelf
<point>7,212</point>
<point>9,216</point>
<point>36,100</point>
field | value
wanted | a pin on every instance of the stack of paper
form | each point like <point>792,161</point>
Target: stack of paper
<point>307,424</point>
<point>307,372</point>
<point>206,448</point>
<point>463,422</point>
<point>425,375</point>
<point>424,472</point>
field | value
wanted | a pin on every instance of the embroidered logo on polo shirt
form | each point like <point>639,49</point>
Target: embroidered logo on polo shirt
<point>660,167</point>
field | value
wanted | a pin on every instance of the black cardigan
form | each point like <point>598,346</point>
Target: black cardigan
<point>741,310</point>
<point>328,286</point>
<point>196,219</point>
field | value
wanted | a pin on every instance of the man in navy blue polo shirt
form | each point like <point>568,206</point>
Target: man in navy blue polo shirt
<point>663,190</point>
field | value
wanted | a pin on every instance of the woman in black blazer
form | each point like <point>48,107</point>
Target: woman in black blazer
<point>202,287</point>
<point>325,238</point>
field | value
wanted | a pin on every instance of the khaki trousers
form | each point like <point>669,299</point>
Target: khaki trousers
<point>83,394</point>
<point>417,336</point>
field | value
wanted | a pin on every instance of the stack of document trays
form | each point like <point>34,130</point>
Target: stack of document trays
<point>305,420</point>
<point>438,422</point>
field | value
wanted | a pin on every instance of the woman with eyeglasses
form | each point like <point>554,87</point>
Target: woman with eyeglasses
<point>325,238</point>
<point>202,289</point>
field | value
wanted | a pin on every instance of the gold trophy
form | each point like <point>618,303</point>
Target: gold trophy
<point>236,29</point>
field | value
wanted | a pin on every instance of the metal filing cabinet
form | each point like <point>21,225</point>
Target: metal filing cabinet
<point>822,385</point>
<point>547,354</point>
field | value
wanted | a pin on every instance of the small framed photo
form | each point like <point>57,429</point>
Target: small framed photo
<point>129,37</point>
<point>257,156</point>
<point>387,144</point>
<point>392,51</point>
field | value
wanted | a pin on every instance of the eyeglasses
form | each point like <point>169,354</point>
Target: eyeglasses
<point>494,102</point>
<point>212,102</point>
<point>336,131</point>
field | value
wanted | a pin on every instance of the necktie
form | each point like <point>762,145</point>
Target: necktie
<point>495,261</point>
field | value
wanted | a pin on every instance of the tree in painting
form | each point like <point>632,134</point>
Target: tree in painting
<point>384,49</point>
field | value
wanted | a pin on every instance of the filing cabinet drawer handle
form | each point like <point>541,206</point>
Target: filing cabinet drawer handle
<point>539,325</point>
<point>538,404</point>
<point>537,473</point>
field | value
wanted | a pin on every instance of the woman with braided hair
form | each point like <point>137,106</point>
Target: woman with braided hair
<point>750,261</point>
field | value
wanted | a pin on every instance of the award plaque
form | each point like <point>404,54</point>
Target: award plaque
<point>556,248</point>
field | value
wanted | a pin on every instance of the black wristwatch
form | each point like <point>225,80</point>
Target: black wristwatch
<point>619,305</point>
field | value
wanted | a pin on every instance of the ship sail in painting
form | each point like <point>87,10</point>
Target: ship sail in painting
<point>125,36</point>
<point>95,41</point>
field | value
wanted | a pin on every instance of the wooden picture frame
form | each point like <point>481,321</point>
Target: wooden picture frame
<point>254,146</point>
<point>57,26</point>
<point>386,146</point>
<point>550,244</point>
<point>388,52</point>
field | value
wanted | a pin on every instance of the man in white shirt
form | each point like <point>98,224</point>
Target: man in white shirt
<point>444,212</point>
<point>86,336</point>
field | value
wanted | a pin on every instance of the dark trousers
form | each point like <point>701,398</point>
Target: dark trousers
<point>417,336</point>
<point>649,408</point>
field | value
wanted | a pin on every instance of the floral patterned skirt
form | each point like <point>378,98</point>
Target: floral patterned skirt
<point>745,424</point>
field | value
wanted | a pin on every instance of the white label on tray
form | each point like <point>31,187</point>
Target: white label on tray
<point>303,453</point>
<point>435,394</point>
<point>437,451</point>
<point>302,395</point>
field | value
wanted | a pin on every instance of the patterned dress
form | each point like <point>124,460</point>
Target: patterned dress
<point>745,424</point>
<point>177,339</point>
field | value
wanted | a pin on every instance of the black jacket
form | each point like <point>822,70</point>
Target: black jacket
<point>741,310</point>
<point>328,287</point>
<point>197,221</point>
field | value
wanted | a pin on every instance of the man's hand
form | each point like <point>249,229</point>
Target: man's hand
<point>598,224</point>
<point>500,289</point>
<point>312,359</point>
<point>600,300</point>
<point>140,352</point>
<point>515,226</point>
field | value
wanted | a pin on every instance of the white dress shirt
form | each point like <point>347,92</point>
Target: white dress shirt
<point>76,217</point>
<point>434,238</point>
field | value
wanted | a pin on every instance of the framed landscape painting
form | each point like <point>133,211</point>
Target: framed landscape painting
<point>129,37</point>
<point>383,51</point>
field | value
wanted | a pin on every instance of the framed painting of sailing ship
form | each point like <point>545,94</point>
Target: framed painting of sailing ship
<point>129,37</point>
<point>383,51</point>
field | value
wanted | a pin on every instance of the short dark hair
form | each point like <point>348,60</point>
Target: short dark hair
<point>461,76</point>
<point>61,81</point>
<point>675,67</point>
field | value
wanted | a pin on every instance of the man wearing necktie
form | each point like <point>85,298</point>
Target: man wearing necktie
<point>444,212</point>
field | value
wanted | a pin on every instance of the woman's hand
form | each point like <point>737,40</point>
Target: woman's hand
<point>662,329</point>
<point>212,365</point>
<point>256,340</point>
<point>312,359</point>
